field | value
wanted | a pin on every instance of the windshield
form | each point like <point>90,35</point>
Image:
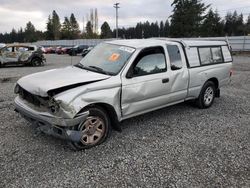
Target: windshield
<point>107,57</point>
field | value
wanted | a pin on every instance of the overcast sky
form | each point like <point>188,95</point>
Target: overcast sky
<point>16,13</point>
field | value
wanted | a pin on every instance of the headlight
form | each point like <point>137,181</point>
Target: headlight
<point>54,106</point>
<point>17,89</point>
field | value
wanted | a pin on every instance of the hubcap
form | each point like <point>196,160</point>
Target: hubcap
<point>92,130</point>
<point>36,62</point>
<point>209,96</point>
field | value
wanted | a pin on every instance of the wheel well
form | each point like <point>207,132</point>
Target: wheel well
<point>111,113</point>
<point>215,81</point>
<point>36,57</point>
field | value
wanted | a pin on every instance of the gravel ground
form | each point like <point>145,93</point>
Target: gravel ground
<point>179,146</point>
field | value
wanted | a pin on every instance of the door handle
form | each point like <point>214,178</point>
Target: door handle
<point>166,80</point>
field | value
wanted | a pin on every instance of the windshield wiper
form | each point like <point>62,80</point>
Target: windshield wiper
<point>79,65</point>
<point>93,68</point>
<point>100,70</point>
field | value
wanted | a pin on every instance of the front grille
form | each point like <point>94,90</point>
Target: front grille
<point>29,97</point>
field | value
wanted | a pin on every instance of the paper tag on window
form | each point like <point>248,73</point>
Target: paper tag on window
<point>114,57</point>
<point>127,49</point>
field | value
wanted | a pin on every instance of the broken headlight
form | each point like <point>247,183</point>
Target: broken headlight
<point>54,106</point>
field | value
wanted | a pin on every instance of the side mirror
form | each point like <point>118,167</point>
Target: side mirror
<point>130,74</point>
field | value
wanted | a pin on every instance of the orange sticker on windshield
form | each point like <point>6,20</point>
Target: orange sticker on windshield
<point>114,57</point>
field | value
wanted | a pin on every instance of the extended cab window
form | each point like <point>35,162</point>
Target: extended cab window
<point>175,57</point>
<point>150,61</point>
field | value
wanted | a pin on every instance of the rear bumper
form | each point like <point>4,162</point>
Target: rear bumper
<point>49,124</point>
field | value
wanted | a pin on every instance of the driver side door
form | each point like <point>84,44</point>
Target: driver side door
<point>146,85</point>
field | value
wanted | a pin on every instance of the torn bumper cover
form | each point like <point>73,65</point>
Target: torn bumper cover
<point>49,124</point>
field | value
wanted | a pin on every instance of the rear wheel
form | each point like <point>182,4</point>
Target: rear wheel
<point>36,62</point>
<point>207,95</point>
<point>95,129</point>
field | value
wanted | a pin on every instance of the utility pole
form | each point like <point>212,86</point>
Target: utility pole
<point>83,25</point>
<point>116,6</point>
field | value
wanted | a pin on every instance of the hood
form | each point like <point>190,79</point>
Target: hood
<point>43,83</point>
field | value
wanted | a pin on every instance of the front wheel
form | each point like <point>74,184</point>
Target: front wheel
<point>207,95</point>
<point>95,129</point>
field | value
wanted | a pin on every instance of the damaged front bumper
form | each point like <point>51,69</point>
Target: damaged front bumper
<point>49,124</point>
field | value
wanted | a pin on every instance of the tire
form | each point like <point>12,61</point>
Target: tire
<point>207,95</point>
<point>92,135</point>
<point>36,62</point>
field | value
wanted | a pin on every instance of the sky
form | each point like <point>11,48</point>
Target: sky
<point>16,13</point>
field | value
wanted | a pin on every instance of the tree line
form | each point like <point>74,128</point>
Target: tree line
<point>190,18</point>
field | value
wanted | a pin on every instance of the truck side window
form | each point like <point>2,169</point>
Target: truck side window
<point>210,55</point>
<point>175,57</point>
<point>150,61</point>
<point>205,56</point>
<point>217,55</point>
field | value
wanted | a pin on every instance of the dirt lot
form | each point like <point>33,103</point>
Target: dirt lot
<point>179,146</point>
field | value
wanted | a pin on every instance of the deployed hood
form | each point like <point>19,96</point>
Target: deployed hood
<point>58,79</point>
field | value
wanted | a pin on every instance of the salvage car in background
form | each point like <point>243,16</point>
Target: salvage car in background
<point>86,51</point>
<point>21,54</point>
<point>65,50</point>
<point>121,79</point>
<point>78,49</point>
<point>2,45</point>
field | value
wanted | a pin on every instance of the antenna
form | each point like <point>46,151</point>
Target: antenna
<point>71,58</point>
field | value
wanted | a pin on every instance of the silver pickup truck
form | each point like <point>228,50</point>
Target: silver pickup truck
<point>121,79</point>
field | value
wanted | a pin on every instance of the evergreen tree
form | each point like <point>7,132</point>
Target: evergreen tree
<point>212,25</point>
<point>53,27</point>
<point>154,29</point>
<point>228,28</point>
<point>248,25</point>
<point>139,31</point>
<point>234,25</point>
<point>239,25</point>
<point>66,29</point>
<point>20,35</point>
<point>147,30</point>
<point>89,30</point>
<point>13,35</point>
<point>162,32</point>
<point>74,27</point>
<point>106,31</point>
<point>30,33</point>
<point>49,31</point>
<point>56,25</point>
<point>166,29</point>
<point>187,18</point>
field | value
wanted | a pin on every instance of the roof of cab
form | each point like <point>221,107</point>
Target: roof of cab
<point>137,43</point>
<point>143,43</point>
<point>197,42</point>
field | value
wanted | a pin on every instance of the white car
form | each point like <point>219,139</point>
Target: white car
<point>121,79</point>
